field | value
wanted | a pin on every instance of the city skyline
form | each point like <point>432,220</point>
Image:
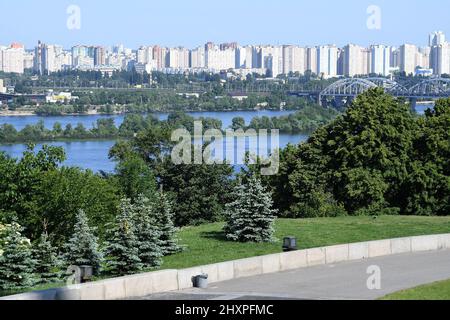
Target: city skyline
<point>189,24</point>
<point>273,60</point>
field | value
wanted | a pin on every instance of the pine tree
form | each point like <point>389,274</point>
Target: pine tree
<point>82,248</point>
<point>47,263</point>
<point>122,248</point>
<point>250,217</point>
<point>148,233</point>
<point>164,215</point>
<point>16,261</point>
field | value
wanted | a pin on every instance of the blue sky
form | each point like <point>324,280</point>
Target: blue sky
<point>193,22</point>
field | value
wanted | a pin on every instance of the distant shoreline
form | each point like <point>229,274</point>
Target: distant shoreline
<point>31,113</point>
<point>17,114</point>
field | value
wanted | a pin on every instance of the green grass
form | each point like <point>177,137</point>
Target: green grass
<point>206,244</point>
<point>434,291</point>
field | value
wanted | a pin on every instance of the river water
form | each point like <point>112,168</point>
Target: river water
<point>93,155</point>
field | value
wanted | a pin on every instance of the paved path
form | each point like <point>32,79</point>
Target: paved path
<point>341,281</point>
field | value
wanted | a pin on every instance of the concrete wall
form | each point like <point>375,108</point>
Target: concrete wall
<point>172,280</point>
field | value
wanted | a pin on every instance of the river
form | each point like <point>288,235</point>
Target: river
<point>93,155</point>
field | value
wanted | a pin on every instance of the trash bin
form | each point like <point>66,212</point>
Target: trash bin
<point>200,281</point>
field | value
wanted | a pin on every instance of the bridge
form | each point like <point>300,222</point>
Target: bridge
<point>348,89</point>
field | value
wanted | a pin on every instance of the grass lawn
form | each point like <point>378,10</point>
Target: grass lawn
<point>206,244</point>
<point>434,291</point>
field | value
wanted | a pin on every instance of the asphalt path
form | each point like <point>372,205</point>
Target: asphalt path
<point>357,280</point>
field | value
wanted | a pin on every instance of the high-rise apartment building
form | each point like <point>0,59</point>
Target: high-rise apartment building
<point>408,58</point>
<point>327,57</point>
<point>198,58</point>
<point>294,59</point>
<point>436,38</point>
<point>440,59</point>
<point>178,58</point>
<point>12,58</point>
<point>144,55</point>
<point>353,60</point>
<point>271,59</point>
<point>99,56</point>
<point>311,59</point>
<point>380,60</point>
<point>244,57</point>
<point>160,54</point>
<point>439,53</point>
<point>216,59</point>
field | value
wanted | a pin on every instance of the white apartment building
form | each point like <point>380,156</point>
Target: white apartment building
<point>244,57</point>
<point>12,59</point>
<point>160,54</point>
<point>178,58</point>
<point>311,59</point>
<point>144,55</point>
<point>436,38</point>
<point>28,60</point>
<point>439,53</point>
<point>198,58</point>
<point>216,59</point>
<point>294,59</point>
<point>380,60</point>
<point>423,57</point>
<point>272,59</point>
<point>354,61</point>
<point>440,59</point>
<point>327,57</point>
<point>53,58</point>
<point>408,58</point>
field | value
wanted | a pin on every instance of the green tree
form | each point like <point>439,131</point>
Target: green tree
<point>359,161</point>
<point>427,188</point>
<point>164,215</point>
<point>250,217</point>
<point>148,233</point>
<point>122,246</point>
<point>82,247</point>
<point>47,264</point>
<point>16,260</point>
<point>238,123</point>
<point>200,191</point>
<point>135,177</point>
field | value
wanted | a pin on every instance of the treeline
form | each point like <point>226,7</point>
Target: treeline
<point>123,79</point>
<point>305,120</point>
<point>122,101</point>
<point>160,101</point>
<point>102,129</point>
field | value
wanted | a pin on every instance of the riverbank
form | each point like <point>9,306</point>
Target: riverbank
<point>16,113</point>
<point>123,113</point>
